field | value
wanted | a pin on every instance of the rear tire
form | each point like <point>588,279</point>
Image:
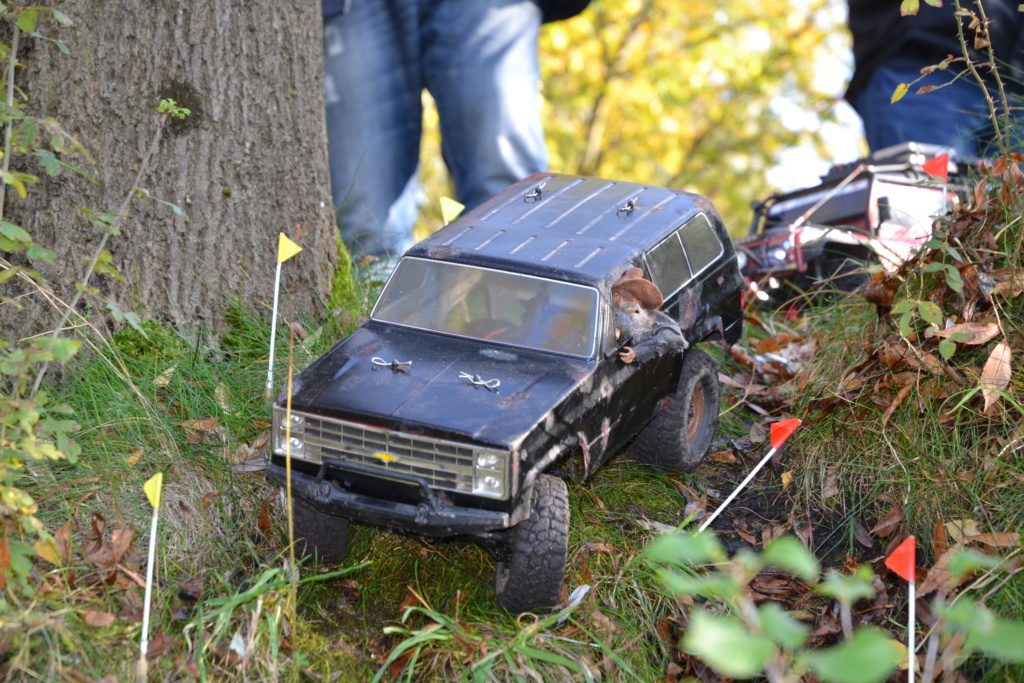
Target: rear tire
<point>680,435</point>
<point>532,579</point>
<point>319,534</point>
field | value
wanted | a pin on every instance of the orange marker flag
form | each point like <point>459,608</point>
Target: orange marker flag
<point>780,431</point>
<point>939,166</point>
<point>903,560</point>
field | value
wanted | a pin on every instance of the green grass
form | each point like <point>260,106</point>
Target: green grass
<point>417,609</point>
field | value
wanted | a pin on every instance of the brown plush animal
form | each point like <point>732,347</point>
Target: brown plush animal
<point>639,326</point>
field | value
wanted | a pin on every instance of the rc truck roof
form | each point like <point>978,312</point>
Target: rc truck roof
<point>566,227</point>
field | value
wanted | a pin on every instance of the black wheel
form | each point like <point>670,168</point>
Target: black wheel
<point>680,435</point>
<point>319,534</point>
<point>841,270</point>
<point>532,578</point>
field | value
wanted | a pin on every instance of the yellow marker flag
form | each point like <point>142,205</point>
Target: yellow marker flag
<point>450,209</point>
<point>286,248</point>
<point>153,488</point>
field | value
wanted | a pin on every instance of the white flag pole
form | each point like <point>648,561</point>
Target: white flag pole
<point>273,332</point>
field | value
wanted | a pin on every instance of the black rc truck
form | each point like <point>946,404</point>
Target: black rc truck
<point>491,361</point>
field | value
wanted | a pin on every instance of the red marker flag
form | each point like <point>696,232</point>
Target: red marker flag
<point>939,166</point>
<point>780,431</point>
<point>904,559</point>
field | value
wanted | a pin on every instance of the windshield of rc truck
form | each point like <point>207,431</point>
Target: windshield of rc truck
<point>492,305</point>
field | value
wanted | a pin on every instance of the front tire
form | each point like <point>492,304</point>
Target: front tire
<point>319,534</point>
<point>532,579</point>
<point>680,435</point>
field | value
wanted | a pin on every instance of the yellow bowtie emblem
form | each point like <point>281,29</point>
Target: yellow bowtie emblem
<point>386,457</point>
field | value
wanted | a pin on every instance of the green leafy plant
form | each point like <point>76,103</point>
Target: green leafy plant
<point>741,639</point>
<point>32,427</point>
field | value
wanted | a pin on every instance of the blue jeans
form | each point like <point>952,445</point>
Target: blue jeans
<point>955,115</point>
<point>477,58</point>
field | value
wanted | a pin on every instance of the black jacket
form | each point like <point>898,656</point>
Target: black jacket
<point>882,37</point>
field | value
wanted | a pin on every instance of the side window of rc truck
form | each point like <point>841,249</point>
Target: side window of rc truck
<point>667,265</point>
<point>700,242</point>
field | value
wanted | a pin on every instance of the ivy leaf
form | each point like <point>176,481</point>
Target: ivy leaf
<point>902,307</point>
<point>905,319</point>
<point>27,19</point>
<point>724,643</point>
<point>909,7</point>
<point>865,658</point>
<point>9,273</point>
<point>848,589</point>
<point>964,562</point>
<point>782,628</point>
<point>103,267</point>
<point>787,552</point>
<point>946,349</point>
<point>38,253</point>
<point>686,548</point>
<point>62,348</point>
<point>953,279</point>
<point>1001,640</point>
<point>931,312</point>
<point>14,232</point>
<point>49,162</point>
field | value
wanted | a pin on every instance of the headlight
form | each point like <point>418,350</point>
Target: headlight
<point>490,473</point>
<point>288,434</point>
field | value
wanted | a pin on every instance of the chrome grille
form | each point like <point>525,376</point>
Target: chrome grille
<point>443,465</point>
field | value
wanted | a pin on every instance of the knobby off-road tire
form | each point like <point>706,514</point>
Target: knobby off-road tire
<point>532,579</point>
<point>321,536</point>
<point>680,435</point>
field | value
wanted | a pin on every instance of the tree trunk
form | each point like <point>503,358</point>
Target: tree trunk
<point>249,162</point>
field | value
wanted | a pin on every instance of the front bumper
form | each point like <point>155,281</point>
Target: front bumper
<point>433,516</point>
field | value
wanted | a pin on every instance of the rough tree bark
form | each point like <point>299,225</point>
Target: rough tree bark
<point>248,163</point>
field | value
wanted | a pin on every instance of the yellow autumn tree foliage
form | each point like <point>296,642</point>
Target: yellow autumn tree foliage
<point>685,95</point>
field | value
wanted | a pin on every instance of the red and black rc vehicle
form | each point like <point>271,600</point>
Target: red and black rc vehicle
<point>877,210</point>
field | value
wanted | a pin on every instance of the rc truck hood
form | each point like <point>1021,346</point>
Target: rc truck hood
<point>439,387</point>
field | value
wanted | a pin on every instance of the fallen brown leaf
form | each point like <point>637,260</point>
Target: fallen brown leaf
<point>888,524</point>
<point>160,646</point>
<point>999,539</point>
<point>958,528</point>
<point>600,620</point>
<point>99,619</point>
<point>831,487</point>
<point>862,535</point>
<point>263,518</point>
<point>593,548</point>
<point>134,458</point>
<point>940,541</point>
<point>724,456</point>
<point>995,375</point>
<point>208,497</point>
<point>977,333</point>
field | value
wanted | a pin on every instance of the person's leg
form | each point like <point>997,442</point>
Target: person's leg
<point>953,115</point>
<point>480,65</point>
<point>373,92</point>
